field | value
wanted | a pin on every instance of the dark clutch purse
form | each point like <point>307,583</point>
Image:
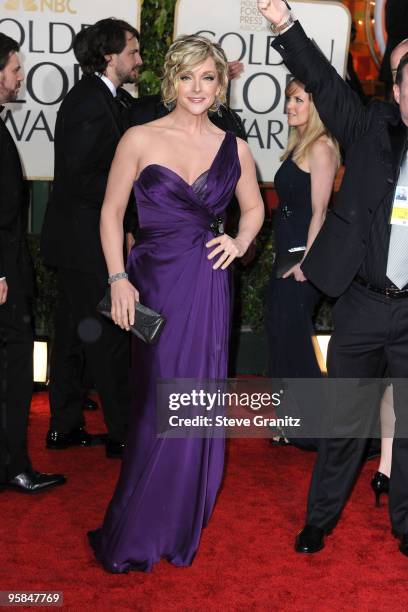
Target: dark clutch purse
<point>148,324</point>
<point>286,261</point>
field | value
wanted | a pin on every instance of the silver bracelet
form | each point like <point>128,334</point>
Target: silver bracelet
<point>114,277</point>
<point>276,29</point>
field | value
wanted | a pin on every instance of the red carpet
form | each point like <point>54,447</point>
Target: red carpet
<point>245,561</point>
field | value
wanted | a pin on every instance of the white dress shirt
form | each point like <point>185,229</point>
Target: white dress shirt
<point>108,83</point>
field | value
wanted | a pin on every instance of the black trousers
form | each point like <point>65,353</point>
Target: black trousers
<point>370,332</point>
<point>79,328</point>
<point>16,384</point>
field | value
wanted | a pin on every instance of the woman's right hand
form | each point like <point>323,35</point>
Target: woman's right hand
<point>297,273</point>
<point>275,11</point>
<point>123,297</point>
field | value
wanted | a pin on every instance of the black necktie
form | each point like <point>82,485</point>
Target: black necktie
<point>123,106</point>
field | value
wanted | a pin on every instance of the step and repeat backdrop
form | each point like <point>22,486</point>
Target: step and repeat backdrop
<point>45,30</point>
<point>258,95</point>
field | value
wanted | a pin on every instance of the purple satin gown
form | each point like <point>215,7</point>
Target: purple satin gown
<point>167,487</point>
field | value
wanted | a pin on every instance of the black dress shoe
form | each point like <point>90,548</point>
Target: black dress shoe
<point>89,404</point>
<point>404,544</point>
<point>77,437</point>
<point>310,539</point>
<point>380,484</point>
<point>31,481</point>
<point>114,449</point>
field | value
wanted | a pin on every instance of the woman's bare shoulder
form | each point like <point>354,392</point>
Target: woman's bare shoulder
<point>139,137</point>
<point>322,151</point>
<point>147,130</point>
<point>323,145</point>
<point>244,152</point>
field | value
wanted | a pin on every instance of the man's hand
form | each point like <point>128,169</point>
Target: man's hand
<point>3,291</point>
<point>235,69</point>
<point>275,11</point>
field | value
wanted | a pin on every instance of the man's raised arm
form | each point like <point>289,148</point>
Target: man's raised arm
<point>339,107</point>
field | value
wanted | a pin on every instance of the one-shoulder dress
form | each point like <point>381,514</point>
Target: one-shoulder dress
<point>167,487</point>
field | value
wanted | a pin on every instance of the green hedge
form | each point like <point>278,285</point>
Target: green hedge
<point>46,301</point>
<point>156,35</point>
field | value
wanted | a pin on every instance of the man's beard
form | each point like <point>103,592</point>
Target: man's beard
<point>7,96</point>
<point>128,77</point>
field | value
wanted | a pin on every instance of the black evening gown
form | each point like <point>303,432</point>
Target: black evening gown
<point>291,304</point>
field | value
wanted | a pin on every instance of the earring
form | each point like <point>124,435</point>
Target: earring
<point>170,105</point>
<point>217,106</point>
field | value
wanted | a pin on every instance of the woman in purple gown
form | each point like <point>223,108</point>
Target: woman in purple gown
<point>186,172</point>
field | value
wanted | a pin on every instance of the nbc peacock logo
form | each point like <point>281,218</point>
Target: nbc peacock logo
<point>26,5</point>
<point>40,6</point>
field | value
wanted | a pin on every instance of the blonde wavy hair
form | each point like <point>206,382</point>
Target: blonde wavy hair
<point>186,53</point>
<point>299,144</point>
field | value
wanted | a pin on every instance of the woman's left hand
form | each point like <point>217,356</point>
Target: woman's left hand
<point>230,248</point>
<point>297,273</point>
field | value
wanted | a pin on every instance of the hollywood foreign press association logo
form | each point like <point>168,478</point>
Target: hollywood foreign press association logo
<point>250,18</point>
<point>33,6</point>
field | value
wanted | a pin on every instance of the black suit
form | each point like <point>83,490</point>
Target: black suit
<point>370,330</point>
<point>89,125</point>
<point>16,333</point>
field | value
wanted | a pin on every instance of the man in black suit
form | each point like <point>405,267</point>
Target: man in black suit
<point>90,122</point>
<point>16,292</point>
<point>361,257</point>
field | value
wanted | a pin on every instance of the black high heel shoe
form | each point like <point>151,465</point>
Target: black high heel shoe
<point>380,484</point>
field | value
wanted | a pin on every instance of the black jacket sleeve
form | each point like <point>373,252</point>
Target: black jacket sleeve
<point>229,121</point>
<point>339,107</point>
<point>146,109</point>
<point>88,144</point>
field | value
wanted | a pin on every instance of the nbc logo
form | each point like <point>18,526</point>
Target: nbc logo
<point>27,5</point>
<point>56,6</point>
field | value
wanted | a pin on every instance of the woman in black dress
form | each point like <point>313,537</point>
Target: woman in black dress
<point>304,183</point>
